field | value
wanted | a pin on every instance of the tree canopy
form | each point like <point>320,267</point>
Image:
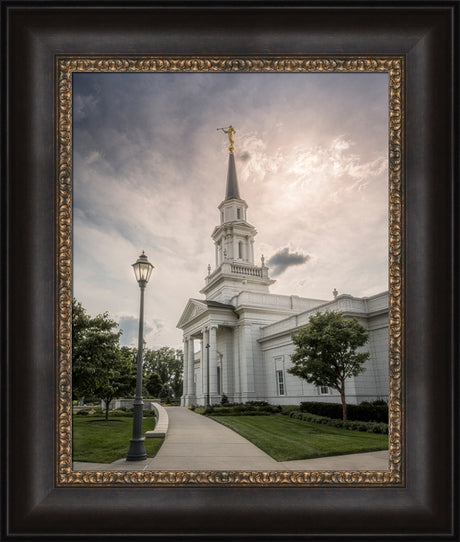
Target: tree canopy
<point>168,363</point>
<point>153,384</point>
<point>100,367</point>
<point>326,351</point>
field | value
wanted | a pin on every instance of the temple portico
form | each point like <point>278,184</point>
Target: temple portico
<point>207,355</point>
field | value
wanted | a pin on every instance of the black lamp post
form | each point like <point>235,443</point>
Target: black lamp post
<point>143,270</point>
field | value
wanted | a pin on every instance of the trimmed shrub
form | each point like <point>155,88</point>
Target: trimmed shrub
<point>364,412</point>
<point>247,409</point>
<point>379,402</point>
<point>82,413</point>
<point>128,413</point>
<point>287,409</point>
<point>119,413</point>
<point>370,427</point>
<point>246,413</point>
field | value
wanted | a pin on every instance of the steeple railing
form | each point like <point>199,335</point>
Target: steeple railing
<point>246,270</point>
<point>240,269</point>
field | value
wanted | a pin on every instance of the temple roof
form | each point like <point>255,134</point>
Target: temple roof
<point>215,304</point>
<point>232,191</point>
<point>199,307</point>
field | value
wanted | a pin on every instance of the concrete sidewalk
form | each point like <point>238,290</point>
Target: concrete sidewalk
<point>194,442</point>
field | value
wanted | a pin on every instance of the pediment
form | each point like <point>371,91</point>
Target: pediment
<point>193,309</point>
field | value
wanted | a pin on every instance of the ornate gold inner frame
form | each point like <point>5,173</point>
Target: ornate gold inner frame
<point>65,67</point>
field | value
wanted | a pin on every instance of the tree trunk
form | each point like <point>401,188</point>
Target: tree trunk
<point>344,402</point>
<point>107,403</point>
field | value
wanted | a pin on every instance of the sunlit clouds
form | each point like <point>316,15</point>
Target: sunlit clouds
<point>150,170</point>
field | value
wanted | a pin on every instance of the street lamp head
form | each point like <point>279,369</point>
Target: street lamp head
<point>142,269</point>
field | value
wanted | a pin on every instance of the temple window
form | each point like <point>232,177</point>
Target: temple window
<point>280,383</point>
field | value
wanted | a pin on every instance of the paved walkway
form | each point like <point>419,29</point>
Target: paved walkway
<point>195,442</point>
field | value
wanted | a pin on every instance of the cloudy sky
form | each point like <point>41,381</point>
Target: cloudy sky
<point>150,170</point>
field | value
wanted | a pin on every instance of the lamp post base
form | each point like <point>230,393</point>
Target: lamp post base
<point>136,450</point>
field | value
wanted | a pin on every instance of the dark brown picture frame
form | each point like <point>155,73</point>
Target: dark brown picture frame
<point>426,35</point>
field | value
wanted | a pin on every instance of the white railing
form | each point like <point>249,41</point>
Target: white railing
<point>246,270</point>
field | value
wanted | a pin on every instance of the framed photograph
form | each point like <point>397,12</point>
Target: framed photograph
<point>152,125</point>
<point>239,316</point>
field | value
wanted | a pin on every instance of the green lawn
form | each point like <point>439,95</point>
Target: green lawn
<point>98,441</point>
<point>285,438</point>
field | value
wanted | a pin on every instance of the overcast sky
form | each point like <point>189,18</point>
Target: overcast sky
<point>150,170</point>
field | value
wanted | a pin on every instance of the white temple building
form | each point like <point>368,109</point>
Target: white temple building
<point>244,331</point>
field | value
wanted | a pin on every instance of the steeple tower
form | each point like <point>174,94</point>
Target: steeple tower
<point>234,245</point>
<point>233,208</point>
<point>232,191</point>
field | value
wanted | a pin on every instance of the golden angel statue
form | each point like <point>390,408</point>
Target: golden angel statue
<point>229,131</point>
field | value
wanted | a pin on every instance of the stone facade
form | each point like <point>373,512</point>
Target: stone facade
<point>237,340</point>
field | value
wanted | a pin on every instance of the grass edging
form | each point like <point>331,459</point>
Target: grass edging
<point>286,439</point>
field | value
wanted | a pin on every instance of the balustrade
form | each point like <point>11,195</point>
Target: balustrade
<point>246,270</point>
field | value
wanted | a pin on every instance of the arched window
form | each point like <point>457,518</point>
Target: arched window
<point>240,250</point>
<point>238,213</point>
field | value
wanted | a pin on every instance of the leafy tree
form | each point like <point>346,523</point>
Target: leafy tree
<point>325,353</point>
<point>120,379</point>
<point>100,368</point>
<point>153,384</point>
<point>168,363</point>
<point>176,374</point>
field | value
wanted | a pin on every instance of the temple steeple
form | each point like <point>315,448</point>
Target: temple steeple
<point>232,182</point>
<point>234,244</point>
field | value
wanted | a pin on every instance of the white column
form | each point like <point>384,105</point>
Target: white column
<point>213,362</point>
<point>251,253</point>
<point>199,381</point>
<point>236,365</point>
<point>191,369</point>
<point>243,361</point>
<point>185,373</point>
<point>247,362</point>
<point>204,372</point>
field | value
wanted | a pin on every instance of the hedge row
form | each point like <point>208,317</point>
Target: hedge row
<point>119,413</point>
<point>365,412</point>
<point>239,413</point>
<point>247,409</point>
<point>369,427</point>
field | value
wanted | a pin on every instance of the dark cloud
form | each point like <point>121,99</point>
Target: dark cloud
<point>244,156</point>
<point>130,327</point>
<point>283,259</point>
<point>125,116</point>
